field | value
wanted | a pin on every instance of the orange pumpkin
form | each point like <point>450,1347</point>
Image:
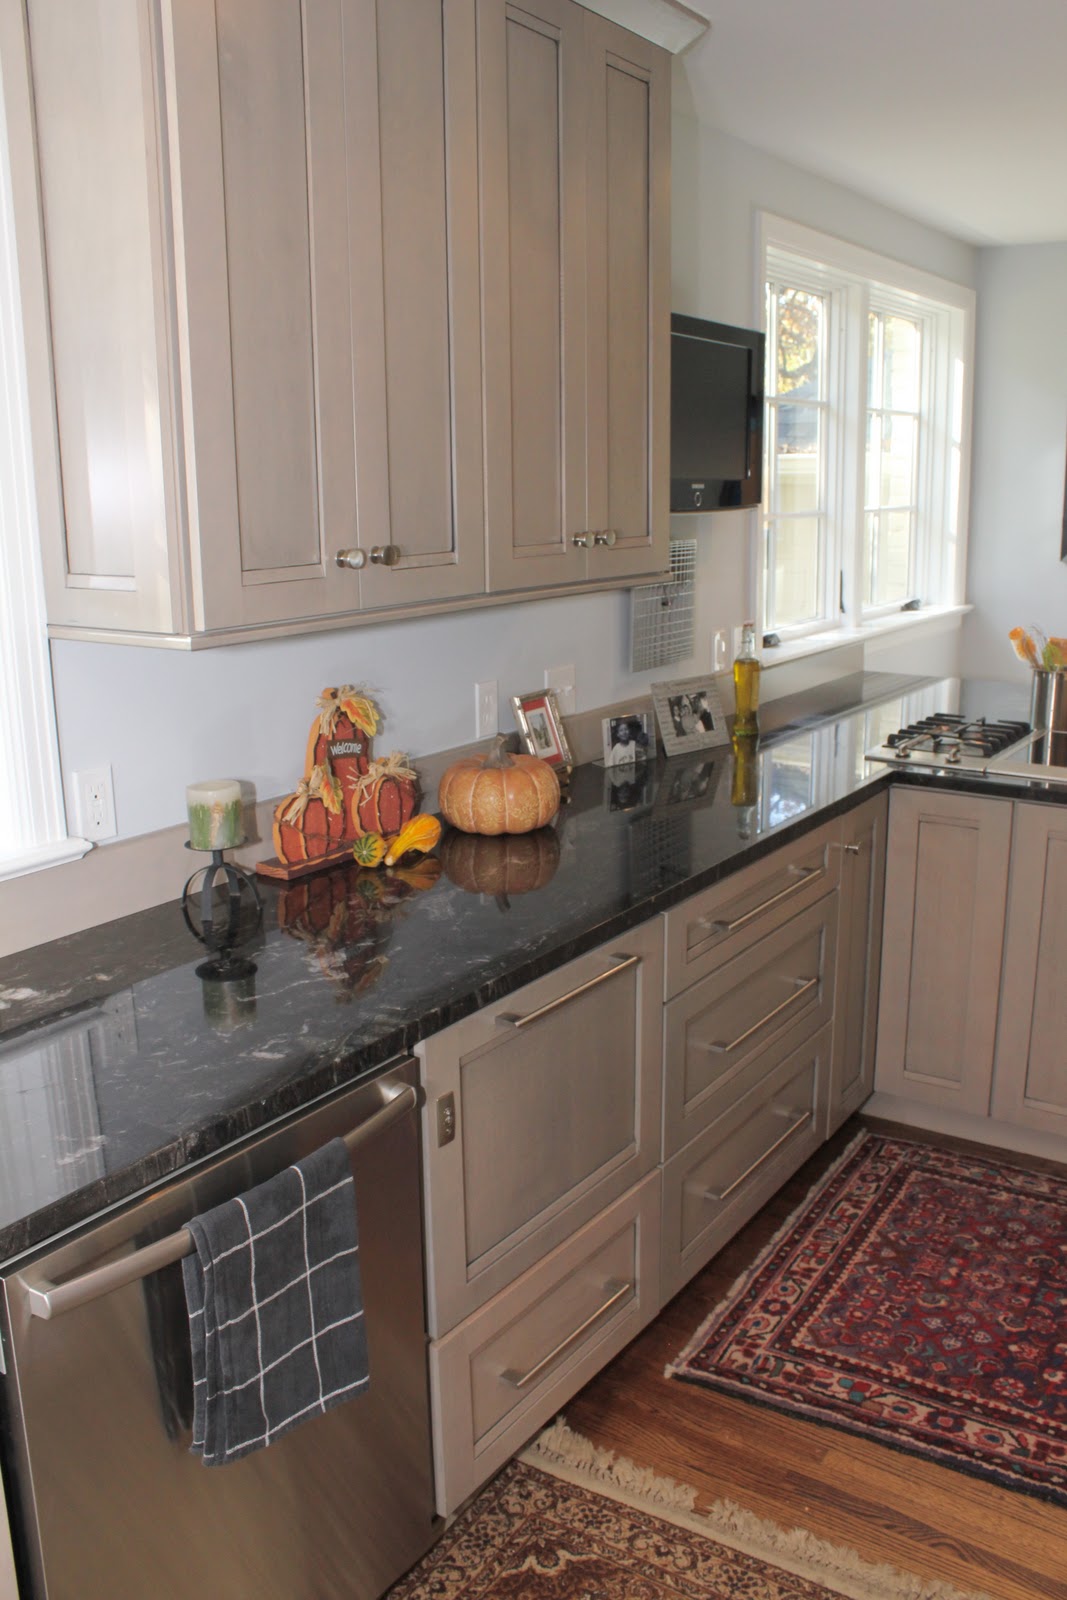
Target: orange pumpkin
<point>512,865</point>
<point>499,793</point>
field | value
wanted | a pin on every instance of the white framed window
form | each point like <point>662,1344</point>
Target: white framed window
<point>868,390</point>
<point>33,831</point>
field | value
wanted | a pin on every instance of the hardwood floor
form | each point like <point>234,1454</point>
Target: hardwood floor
<point>889,1506</point>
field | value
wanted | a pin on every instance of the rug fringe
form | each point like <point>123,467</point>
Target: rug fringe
<point>673,1368</point>
<point>568,1455</point>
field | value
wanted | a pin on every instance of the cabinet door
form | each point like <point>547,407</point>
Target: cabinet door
<point>1030,1084</point>
<point>540,1110</point>
<point>628,302</point>
<point>531,133</point>
<point>862,840</point>
<point>943,934</point>
<point>325,304</point>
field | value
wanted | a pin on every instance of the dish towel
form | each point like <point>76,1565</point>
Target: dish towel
<point>275,1307</point>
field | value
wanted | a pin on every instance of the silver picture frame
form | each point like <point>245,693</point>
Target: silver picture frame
<point>690,715</point>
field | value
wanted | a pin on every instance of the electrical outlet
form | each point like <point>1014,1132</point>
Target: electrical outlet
<point>96,803</point>
<point>718,650</point>
<point>486,712</point>
<point>561,680</point>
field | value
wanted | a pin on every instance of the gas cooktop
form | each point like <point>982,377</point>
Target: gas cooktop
<point>952,742</point>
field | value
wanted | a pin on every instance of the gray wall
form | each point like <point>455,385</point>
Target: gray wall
<point>1015,573</point>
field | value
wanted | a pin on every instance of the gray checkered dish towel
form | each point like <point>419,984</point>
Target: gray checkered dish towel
<point>275,1307</point>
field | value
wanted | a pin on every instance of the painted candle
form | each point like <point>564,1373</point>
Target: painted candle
<point>215,814</point>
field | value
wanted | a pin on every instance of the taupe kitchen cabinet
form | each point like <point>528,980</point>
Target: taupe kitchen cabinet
<point>574,119</point>
<point>943,936</point>
<point>541,1153</point>
<point>750,985</point>
<point>259,264</point>
<point>862,843</point>
<point>1030,1071</point>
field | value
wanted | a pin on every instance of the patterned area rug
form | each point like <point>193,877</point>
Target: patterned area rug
<point>567,1521</point>
<point>917,1297</point>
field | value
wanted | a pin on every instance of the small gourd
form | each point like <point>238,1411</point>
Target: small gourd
<point>369,849</point>
<point>499,793</point>
<point>421,834</point>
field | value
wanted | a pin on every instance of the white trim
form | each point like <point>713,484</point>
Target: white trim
<point>932,619</point>
<point>32,820</point>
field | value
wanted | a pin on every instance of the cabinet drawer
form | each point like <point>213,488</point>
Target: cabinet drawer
<point>540,1110</point>
<point>720,1027</point>
<point>502,1373</point>
<point>720,1180</point>
<point>715,926</point>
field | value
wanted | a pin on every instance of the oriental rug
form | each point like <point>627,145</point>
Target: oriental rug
<point>568,1521</point>
<point>918,1297</point>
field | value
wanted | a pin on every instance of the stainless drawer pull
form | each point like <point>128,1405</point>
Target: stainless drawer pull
<point>791,999</point>
<point>508,1019</point>
<point>803,875</point>
<point>49,1299</point>
<point>717,1195</point>
<point>522,1381</point>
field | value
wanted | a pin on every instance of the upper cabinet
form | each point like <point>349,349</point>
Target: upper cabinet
<point>574,132</point>
<point>325,300</point>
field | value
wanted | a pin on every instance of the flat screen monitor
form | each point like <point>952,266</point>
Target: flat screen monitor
<point>716,415</point>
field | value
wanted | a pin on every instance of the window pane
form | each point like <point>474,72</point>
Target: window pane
<point>796,476</point>
<point>798,353</point>
<point>902,350</point>
<point>897,486</point>
<point>887,557</point>
<point>795,545</point>
<point>873,465</point>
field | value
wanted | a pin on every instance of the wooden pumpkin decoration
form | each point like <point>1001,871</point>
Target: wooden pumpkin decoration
<point>340,742</point>
<point>385,796</point>
<point>499,793</point>
<point>306,822</point>
<point>500,866</point>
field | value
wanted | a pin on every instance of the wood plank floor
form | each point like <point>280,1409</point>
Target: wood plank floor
<point>889,1506</point>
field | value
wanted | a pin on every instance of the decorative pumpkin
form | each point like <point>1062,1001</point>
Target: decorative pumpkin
<point>340,741</point>
<point>306,822</point>
<point>501,866</point>
<point>385,796</point>
<point>499,793</point>
<point>421,834</point>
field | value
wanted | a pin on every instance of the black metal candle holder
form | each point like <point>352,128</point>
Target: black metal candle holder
<point>220,935</point>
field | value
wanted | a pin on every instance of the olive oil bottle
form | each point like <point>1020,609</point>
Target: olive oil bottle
<point>746,683</point>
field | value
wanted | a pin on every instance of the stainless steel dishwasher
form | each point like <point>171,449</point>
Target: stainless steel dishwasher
<point>108,1502</point>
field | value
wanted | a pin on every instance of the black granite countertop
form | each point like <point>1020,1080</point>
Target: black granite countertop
<point>120,1066</point>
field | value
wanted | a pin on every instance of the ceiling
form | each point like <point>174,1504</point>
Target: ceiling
<point>952,111</point>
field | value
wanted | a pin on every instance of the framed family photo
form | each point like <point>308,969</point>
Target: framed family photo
<point>628,738</point>
<point>690,715</point>
<point>541,726</point>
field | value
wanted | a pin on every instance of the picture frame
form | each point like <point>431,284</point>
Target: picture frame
<point>690,715</point>
<point>541,726</point>
<point>628,738</point>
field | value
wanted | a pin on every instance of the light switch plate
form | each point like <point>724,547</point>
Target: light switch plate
<point>561,681</point>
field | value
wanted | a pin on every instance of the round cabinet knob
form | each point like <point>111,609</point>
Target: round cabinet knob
<point>385,555</point>
<point>580,541</point>
<point>852,849</point>
<point>353,559</point>
<point>607,538</point>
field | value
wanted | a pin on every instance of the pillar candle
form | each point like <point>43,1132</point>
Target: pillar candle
<point>215,818</point>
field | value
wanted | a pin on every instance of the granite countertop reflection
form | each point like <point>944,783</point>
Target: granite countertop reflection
<point>120,1065</point>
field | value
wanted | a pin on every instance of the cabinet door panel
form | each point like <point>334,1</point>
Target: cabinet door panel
<point>539,1110</point>
<point>412,157</point>
<point>628,274</point>
<point>1030,1087</point>
<point>943,934</point>
<point>533,264</point>
<point>859,954</point>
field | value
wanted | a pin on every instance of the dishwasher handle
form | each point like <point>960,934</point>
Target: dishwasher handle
<point>48,1300</point>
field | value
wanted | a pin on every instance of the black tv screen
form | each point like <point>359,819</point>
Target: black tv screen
<point>716,415</point>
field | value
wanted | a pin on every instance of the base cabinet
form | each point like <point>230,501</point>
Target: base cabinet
<point>1030,1070</point>
<point>943,938</point>
<point>862,841</point>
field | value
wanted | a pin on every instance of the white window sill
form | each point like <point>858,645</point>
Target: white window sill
<point>813,644</point>
<point>45,855</point>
